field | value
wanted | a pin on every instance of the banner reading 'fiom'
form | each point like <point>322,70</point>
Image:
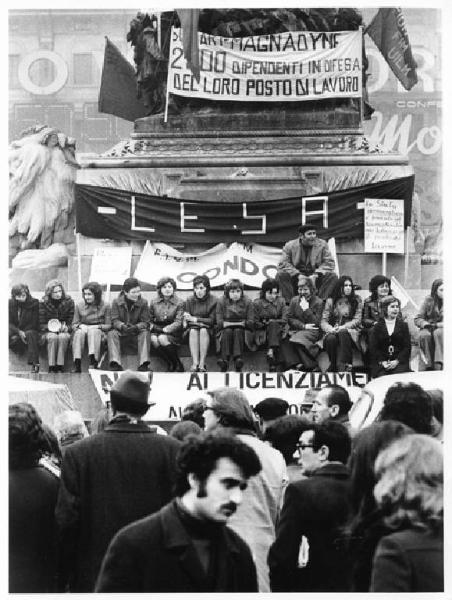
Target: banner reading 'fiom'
<point>288,66</point>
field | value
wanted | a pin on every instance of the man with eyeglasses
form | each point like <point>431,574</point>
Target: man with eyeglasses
<point>307,555</point>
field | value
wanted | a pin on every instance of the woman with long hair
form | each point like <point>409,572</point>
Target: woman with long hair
<point>409,493</point>
<point>270,320</point>
<point>56,312</point>
<point>303,317</point>
<point>390,341</point>
<point>92,319</point>
<point>366,526</point>
<point>430,322</point>
<point>341,322</point>
<point>234,315</point>
<point>166,313</point>
<point>199,321</point>
<point>23,313</point>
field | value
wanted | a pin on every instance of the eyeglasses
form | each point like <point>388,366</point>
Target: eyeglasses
<point>207,408</point>
<point>303,446</point>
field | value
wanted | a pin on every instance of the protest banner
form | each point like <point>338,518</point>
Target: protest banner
<point>252,263</point>
<point>171,392</point>
<point>384,227</point>
<point>111,265</point>
<point>287,66</point>
<point>116,214</point>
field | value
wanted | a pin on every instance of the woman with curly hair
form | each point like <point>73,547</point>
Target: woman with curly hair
<point>430,322</point>
<point>24,324</point>
<point>234,315</point>
<point>270,320</point>
<point>199,320</point>
<point>56,312</point>
<point>409,493</point>
<point>33,491</point>
<point>379,287</point>
<point>92,319</point>
<point>341,322</point>
<point>166,312</point>
<point>304,316</point>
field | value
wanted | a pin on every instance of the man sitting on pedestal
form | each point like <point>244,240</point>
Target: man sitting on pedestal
<point>310,256</point>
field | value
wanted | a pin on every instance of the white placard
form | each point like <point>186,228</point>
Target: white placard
<point>171,392</point>
<point>383,225</point>
<point>111,265</point>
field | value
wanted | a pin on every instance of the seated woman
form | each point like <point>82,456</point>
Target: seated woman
<point>234,315</point>
<point>379,287</point>
<point>341,322</point>
<point>24,324</point>
<point>199,320</point>
<point>410,494</point>
<point>270,320</point>
<point>304,316</point>
<point>166,323</point>
<point>56,312</point>
<point>92,319</point>
<point>430,322</point>
<point>390,342</point>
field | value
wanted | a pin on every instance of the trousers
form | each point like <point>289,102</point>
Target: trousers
<point>115,339</point>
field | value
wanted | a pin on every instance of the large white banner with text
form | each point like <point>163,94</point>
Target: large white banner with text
<point>251,263</point>
<point>171,392</point>
<point>288,66</point>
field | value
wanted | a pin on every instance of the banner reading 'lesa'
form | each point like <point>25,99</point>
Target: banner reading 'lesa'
<point>288,66</point>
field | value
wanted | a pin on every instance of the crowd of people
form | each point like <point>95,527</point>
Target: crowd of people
<point>234,499</point>
<point>304,310</point>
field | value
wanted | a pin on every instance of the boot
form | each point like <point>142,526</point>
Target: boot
<point>93,363</point>
<point>174,357</point>
<point>77,365</point>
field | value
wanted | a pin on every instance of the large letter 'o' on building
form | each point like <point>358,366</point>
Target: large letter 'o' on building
<point>61,72</point>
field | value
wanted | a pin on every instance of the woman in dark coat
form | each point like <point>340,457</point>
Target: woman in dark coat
<point>304,316</point>
<point>56,305</point>
<point>390,341</point>
<point>33,493</point>
<point>366,525</point>
<point>409,492</point>
<point>234,316</point>
<point>24,324</point>
<point>199,321</point>
<point>270,320</point>
<point>341,322</point>
<point>430,322</point>
<point>166,323</point>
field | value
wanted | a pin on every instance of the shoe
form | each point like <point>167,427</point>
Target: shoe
<point>93,363</point>
<point>59,369</point>
<point>223,365</point>
<point>35,368</point>
<point>438,366</point>
<point>52,369</point>
<point>272,368</point>
<point>202,369</point>
<point>179,367</point>
<point>114,366</point>
<point>238,364</point>
<point>77,366</point>
<point>144,366</point>
<point>194,368</point>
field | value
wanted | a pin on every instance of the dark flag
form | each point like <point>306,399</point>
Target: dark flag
<point>118,86</point>
<point>389,33</point>
<point>189,19</point>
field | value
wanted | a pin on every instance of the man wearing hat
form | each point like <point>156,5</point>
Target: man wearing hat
<point>310,256</point>
<point>270,409</point>
<point>110,479</point>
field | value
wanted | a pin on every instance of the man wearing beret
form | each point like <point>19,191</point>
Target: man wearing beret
<point>109,480</point>
<point>310,256</point>
<point>187,546</point>
<point>270,409</point>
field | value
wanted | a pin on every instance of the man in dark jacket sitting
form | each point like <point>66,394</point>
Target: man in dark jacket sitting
<point>308,553</point>
<point>186,546</point>
<point>24,324</point>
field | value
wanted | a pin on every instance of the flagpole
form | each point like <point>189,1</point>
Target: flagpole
<point>407,254</point>
<point>79,262</point>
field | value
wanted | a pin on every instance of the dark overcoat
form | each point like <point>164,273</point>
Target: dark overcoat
<point>32,534</point>
<point>156,554</point>
<point>107,481</point>
<point>316,508</point>
<point>383,346</point>
<point>29,315</point>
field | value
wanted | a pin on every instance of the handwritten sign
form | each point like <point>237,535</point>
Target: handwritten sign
<point>383,225</point>
<point>288,66</point>
<point>111,265</point>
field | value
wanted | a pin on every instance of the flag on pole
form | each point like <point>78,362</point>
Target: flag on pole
<point>389,33</point>
<point>189,19</point>
<point>117,93</point>
<point>401,294</point>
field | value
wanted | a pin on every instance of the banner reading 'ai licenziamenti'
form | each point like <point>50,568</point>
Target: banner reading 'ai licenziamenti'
<point>288,66</point>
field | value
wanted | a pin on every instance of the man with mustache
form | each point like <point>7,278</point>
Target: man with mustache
<point>187,546</point>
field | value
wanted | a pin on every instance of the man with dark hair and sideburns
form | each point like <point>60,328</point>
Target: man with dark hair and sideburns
<point>187,546</point>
